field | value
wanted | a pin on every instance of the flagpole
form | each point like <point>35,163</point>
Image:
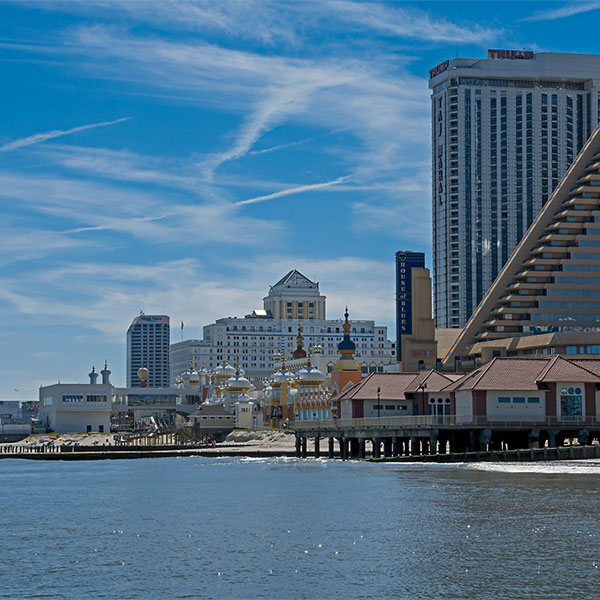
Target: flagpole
<point>182,331</point>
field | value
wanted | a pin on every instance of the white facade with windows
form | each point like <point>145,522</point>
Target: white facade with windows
<point>294,301</point>
<point>76,408</point>
<point>505,129</point>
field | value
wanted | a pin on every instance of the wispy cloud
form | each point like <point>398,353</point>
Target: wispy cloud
<point>89,207</point>
<point>271,22</point>
<point>42,137</point>
<point>391,19</point>
<point>296,143</point>
<point>568,10</point>
<point>295,190</point>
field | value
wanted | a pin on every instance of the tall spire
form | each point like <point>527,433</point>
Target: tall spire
<point>347,346</point>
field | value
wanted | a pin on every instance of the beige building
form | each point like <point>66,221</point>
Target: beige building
<point>419,349</point>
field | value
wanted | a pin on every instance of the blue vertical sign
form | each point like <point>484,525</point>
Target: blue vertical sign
<point>405,262</point>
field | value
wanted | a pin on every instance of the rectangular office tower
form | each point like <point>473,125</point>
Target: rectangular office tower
<point>148,339</point>
<point>505,130</point>
<point>406,261</point>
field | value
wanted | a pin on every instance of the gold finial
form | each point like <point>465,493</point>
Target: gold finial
<point>283,360</point>
<point>299,337</point>
<point>191,362</point>
<point>346,325</point>
<point>237,365</point>
<point>309,364</point>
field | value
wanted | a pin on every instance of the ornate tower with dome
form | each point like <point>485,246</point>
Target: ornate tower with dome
<point>347,371</point>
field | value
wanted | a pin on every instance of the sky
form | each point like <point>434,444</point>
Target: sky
<point>180,157</point>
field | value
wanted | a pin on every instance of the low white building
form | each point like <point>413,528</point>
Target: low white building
<point>88,407</point>
<point>76,407</point>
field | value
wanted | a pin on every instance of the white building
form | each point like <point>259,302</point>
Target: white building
<point>505,129</point>
<point>148,339</point>
<point>294,301</point>
<point>88,407</point>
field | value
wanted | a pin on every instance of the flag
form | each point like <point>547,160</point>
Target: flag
<point>181,325</point>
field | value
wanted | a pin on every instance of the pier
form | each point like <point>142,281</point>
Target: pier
<point>449,438</point>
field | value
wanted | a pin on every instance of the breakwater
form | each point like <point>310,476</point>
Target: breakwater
<point>129,452</point>
<point>524,455</point>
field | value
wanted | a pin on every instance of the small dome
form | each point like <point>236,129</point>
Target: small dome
<point>238,383</point>
<point>278,377</point>
<point>143,373</point>
<point>224,371</point>
<point>303,372</point>
<point>347,344</point>
<point>314,376</point>
<point>194,378</point>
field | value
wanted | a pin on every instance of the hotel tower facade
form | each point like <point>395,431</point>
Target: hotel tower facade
<point>505,130</point>
<point>550,283</point>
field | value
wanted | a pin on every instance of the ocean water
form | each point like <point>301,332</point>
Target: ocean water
<point>285,528</point>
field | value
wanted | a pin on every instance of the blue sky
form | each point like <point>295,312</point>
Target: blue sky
<point>179,157</point>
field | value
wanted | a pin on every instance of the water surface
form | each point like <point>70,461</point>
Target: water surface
<point>282,528</point>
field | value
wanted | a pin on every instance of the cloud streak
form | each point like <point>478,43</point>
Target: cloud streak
<point>49,135</point>
<point>295,190</point>
<point>569,10</point>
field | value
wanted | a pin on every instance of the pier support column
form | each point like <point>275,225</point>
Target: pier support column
<point>303,447</point>
<point>415,446</point>
<point>433,442</point>
<point>376,447</point>
<point>551,438</point>
<point>298,447</point>
<point>346,444</point>
<point>395,447</point>
<point>354,448</point>
<point>342,446</point>
<point>425,446</point>
<point>331,451</point>
<point>317,447</point>
<point>362,451</point>
<point>387,447</point>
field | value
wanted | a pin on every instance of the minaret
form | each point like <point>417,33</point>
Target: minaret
<point>347,371</point>
<point>105,374</point>
<point>93,376</point>
<point>299,352</point>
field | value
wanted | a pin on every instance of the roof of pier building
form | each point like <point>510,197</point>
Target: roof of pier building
<point>520,373</point>
<point>394,386</point>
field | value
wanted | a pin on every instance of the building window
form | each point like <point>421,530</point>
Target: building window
<point>503,399</point>
<point>72,398</point>
<point>518,400</point>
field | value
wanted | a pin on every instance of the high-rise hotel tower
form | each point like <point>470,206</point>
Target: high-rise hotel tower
<point>148,340</point>
<point>505,130</point>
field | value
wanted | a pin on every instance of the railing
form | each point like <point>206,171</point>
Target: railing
<point>458,421</point>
